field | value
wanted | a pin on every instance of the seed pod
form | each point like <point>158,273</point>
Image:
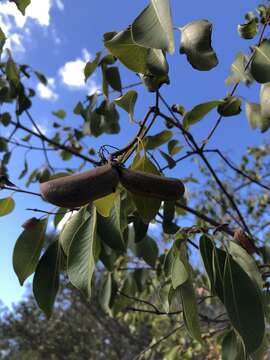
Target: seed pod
<point>150,185</point>
<point>245,241</point>
<point>78,190</point>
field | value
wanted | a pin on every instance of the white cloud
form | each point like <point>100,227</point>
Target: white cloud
<point>47,92</point>
<point>72,73</point>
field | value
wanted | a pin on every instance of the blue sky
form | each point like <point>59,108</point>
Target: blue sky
<point>58,37</point>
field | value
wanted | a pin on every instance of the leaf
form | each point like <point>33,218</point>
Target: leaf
<point>169,227</point>
<point>109,228</point>
<point>206,251</point>
<point>168,262</point>
<point>254,116</point>
<point>190,310</point>
<point>122,46</point>
<point>157,63</point>
<point>153,27</point>
<point>265,101</point>
<point>230,346</point>
<point>105,294</point>
<point>246,262</point>
<point>218,263</point>
<point>41,77</point>
<point>196,44</point>
<point>46,278</point>
<point>239,71</point>
<point>230,106</point>
<point>127,102</point>
<point>113,78</point>
<point>27,250</point>
<point>179,273</point>
<point>81,262</point>
<point>243,305</point>
<point>170,161</point>
<point>72,225</point>
<point>22,5</point>
<point>173,147</point>
<point>91,66</point>
<point>148,250</point>
<point>154,141</point>
<point>2,36</point>
<point>61,114</point>
<point>199,112</point>
<point>260,64</point>
<point>248,30</point>
<point>140,229</point>
<point>12,72</point>
<point>7,205</point>
<point>147,207</point>
<point>105,204</point>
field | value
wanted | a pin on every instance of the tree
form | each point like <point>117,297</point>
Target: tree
<point>110,207</point>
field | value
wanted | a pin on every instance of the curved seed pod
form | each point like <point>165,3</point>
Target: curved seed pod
<point>78,190</point>
<point>150,185</point>
<point>245,241</point>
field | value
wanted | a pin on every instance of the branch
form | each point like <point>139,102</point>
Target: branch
<point>3,187</point>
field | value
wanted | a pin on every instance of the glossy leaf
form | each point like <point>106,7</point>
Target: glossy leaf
<point>71,227</point>
<point>91,66</point>
<point>109,228</point>
<point>127,102</point>
<point>81,261</point>
<point>153,27</point>
<point>239,71</point>
<point>122,46</point>
<point>154,141</point>
<point>27,250</point>
<point>260,65</point>
<point>231,106</point>
<point>46,278</point>
<point>7,205</point>
<point>248,30</point>
<point>199,112</point>
<point>196,44</point>
<point>244,306</point>
<point>157,63</point>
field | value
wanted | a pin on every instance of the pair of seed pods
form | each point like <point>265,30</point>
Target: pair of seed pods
<point>80,189</point>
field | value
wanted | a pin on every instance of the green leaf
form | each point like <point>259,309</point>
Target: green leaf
<point>260,65</point>
<point>199,112</point>
<point>41,77</point>
<point>140,229</point>
<point>105,204</point>
<point>196,44</point>
<point>46,278</point>
<point>12,72</point>
<point>246,262</point>
<point>169,227</point>
<point>230,346</point>
<point>239,71</point>
<point>230,106</point>
<point>147,207</point>
<point>91,66</point>
<point>72,225</point>
<point>7,205</point>
<point>27,250</point>
<point>173,147</point>
<point>127,102</point>
<point>168,262</point>
<point>109,228</point>
<point>170,161</point>
<point>113,78</point>
<point>61,114</point>
<point>154,82</point>
<point>218,263</point>
<point>243,305</point>
<point>122,46</point>
<point>22,5</point>
<point>157,63</point>
<point>154,141</point>
<point>5,118</point>
<point>248,30</point>
<point>2,36</point>
<point>190,310</point>
<point>105,294</point>
<point>147,249</point>
<point>179,273</point>
<point>81,261</point>
<point>255,118</point>
<point>153,27</point>
<point>206,251</point>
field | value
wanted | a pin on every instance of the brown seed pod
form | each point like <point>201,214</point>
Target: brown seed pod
<point>245,241</point>
<point>150,185</point>
<point>78,190</point>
